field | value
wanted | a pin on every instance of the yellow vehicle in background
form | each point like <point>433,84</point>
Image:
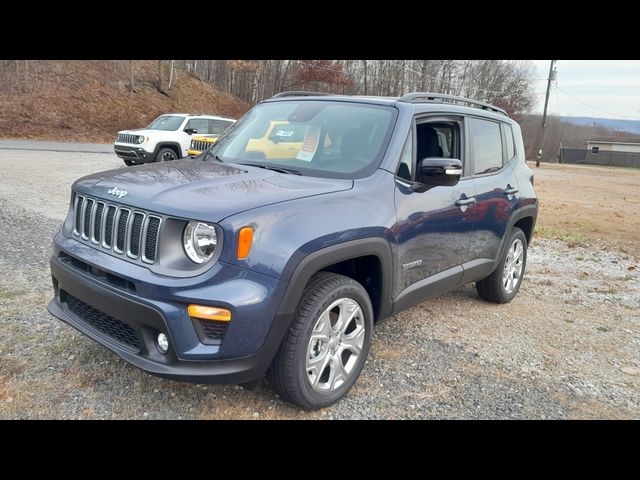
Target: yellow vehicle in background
<point>209,134</point>
<point>201,143</point>
<point>281,140</point>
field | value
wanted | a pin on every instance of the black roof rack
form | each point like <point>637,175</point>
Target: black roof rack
<point>427,97</point>
<point>301,94</point>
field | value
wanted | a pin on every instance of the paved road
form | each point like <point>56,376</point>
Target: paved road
<point>56,146</point>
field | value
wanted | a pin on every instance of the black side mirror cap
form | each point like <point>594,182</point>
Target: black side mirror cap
<point>437,171</point>
<point>190,131</point>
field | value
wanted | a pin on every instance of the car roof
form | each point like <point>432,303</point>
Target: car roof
<point>214,117</point>
<point>341,98</point>
<point>417,106</point>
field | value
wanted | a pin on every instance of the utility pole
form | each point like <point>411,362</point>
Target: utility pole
<point>552,76</point>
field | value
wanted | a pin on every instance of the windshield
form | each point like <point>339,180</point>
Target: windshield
<point>166,122</point>
<point>317,138</point>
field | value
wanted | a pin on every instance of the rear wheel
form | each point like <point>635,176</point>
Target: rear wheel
<point>166,155</point>
<point>503,284</point>
<point>327,345</point>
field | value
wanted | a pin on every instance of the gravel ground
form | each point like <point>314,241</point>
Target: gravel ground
<point>566,347</point>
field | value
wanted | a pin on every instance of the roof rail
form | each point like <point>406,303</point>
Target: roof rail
<point>427,97</point>
<point>301,93</point>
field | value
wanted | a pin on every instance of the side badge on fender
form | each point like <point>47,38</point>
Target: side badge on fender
<point>414,264</point>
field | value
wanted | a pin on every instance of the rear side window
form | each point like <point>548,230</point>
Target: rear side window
<point>486,145</point>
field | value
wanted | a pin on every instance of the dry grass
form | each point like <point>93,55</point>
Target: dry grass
<point>88,101</point>
<point>584,203</point>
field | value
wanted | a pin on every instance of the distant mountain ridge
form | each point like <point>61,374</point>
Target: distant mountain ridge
<point>632,126</point>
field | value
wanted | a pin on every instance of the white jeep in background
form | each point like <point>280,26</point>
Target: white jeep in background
<point>167,138</point>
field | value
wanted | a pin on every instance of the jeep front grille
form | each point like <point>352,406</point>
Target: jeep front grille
<point>122,230</point>
<point>127,138</point>
<point>201,145</point>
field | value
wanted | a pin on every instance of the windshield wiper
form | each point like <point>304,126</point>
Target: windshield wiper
<point>215,156</point>
<point>266,166</point>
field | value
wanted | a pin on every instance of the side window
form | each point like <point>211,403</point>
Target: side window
<point>508,134</point>
<point>199,124</point>
<point>445,139</point>
<point>437,139</point>
<point>486,145</point>
<point>406,159</point>
<point>218,126</point>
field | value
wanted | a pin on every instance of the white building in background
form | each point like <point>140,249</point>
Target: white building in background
<point>597,146</point>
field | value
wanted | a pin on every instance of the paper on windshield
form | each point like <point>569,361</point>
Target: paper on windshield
<point>310,144</point>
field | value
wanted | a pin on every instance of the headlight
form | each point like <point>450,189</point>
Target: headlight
<point>199,240</point>
<point>140,139</point>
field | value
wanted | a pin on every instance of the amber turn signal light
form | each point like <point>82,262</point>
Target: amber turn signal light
<point>245,238</point>
<point>209,313</point>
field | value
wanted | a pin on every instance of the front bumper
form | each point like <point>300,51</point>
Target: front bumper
<point>236,360</point>
<point>134,153</point>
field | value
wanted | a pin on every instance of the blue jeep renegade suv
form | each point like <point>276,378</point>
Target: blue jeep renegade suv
<point>277,250</point>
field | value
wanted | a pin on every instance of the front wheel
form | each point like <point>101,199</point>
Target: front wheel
<point>503,284</point>
<point>327,345</point>
<point>166,155</point>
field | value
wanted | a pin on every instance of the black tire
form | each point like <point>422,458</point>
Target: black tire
<point>492,288</point>
<point>166,155</point>
<point>287,374</point>
<point>129,163</point>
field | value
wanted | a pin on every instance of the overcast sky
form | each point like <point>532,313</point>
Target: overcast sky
<point>600,88</point>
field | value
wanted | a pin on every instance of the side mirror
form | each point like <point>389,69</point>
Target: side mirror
<point>190,131</point>
<point>435,171</point>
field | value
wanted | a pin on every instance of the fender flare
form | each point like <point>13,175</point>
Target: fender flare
<point>519,214</point>
<point>319,259</point>
<point>167,144</point>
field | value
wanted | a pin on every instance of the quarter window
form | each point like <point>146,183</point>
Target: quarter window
<point>508,133</point>
<point>406,159</point>
<point>486,145</point>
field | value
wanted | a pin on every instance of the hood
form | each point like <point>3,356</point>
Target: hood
<point>141,131</point>
<point>202,190</point>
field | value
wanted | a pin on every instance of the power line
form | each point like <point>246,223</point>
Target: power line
<point>613,115</point>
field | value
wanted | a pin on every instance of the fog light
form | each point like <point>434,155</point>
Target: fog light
<point>163,343</point>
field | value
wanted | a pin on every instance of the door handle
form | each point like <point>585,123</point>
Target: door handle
<point>510,190</point>
<point>462,202</point>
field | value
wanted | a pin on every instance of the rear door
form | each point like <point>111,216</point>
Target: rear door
<point>491,149</point>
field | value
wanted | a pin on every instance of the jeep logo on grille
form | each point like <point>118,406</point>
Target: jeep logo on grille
<point>117,192</point>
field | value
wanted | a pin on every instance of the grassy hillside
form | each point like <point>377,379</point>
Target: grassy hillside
<point>88,101</point>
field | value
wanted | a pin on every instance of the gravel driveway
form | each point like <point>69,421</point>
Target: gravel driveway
<point>568,346</point>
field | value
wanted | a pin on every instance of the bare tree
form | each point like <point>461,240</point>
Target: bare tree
<point>170,74</point>
<point>160,77</point>
<point>131,76</point>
